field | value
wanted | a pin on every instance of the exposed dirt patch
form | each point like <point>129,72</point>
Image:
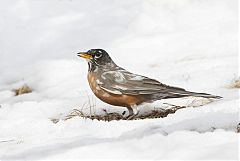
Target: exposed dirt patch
<point>158,113</point>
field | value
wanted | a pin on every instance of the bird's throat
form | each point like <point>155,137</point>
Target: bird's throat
<point>92,66</point>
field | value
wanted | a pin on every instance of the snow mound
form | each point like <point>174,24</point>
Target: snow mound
<point>190,44</point>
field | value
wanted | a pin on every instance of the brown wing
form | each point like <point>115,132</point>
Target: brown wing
<point>123,82</point>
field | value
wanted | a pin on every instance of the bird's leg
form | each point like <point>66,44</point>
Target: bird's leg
<point>130,112</point>
<point>133,111</point>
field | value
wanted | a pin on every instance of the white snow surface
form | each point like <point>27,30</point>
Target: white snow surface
<point>188,43</point>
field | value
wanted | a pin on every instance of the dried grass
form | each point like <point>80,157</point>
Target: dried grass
<point>156,113</point>
<point>22,90</point>
<point>235,83</point>
<point>238,128</point>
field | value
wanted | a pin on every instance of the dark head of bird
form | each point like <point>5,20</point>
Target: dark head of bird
<point>97,58</point>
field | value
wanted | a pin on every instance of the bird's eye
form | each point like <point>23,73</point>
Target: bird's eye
<point>98,55</point>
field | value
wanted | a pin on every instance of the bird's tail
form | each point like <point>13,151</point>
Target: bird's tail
<point>195,94</point>
<point>175,92</point>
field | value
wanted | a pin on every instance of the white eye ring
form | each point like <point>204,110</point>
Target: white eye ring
<point>98,55</point>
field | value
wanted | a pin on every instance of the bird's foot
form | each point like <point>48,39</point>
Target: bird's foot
<point>131,117</point>
<point>133,112</point>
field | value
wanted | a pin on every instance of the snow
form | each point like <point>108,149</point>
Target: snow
<point>188,43</point>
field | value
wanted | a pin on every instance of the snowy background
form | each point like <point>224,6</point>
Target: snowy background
<point>188,43</point>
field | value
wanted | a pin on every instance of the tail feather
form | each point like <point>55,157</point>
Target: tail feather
<point>178,93</point>
<point>205,95</point>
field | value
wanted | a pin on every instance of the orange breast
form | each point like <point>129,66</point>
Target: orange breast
<point>110,98</point>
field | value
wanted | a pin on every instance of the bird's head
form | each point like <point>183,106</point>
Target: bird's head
<point>97,58</point>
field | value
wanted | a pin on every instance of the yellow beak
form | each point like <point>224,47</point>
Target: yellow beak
<point>85,55</point>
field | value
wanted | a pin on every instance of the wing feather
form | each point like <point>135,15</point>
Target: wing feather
<point>132,84</point>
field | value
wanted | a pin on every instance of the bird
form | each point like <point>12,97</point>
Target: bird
<point>116,86</point>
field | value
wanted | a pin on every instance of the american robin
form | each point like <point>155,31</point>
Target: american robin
<point>116,86</point>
